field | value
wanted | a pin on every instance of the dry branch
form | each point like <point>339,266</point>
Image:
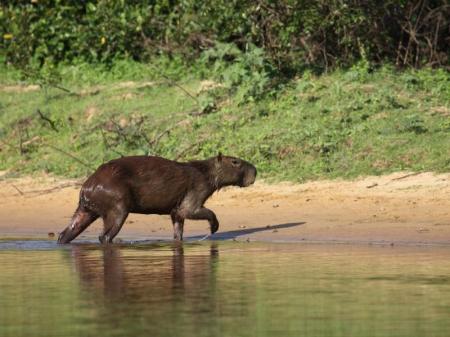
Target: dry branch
<point>407,176</point>
<point>46,119</point>
<point>71,156</point>
<point>17,189</point>
<point>188,148</point>
<point>172,82</point>
<point>155,140</point>
<point>52,189</point>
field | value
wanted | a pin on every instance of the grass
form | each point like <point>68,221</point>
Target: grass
<point>343,124</point>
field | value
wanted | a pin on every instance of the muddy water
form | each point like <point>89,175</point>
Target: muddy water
<point>223,289</point>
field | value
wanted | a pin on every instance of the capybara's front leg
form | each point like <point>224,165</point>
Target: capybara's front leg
<point>178,225</point>
<point>80,221</point>
<point>204,213</point>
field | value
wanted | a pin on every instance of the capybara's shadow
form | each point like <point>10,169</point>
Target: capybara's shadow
<point>236,233</point>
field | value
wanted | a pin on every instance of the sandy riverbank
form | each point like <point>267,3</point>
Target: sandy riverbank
<point>397,208</point>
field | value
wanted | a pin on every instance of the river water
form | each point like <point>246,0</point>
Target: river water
<point>223,289</point>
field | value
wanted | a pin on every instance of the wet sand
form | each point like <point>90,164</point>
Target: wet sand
<point>400,208</point>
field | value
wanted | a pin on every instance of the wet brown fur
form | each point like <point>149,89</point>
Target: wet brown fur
<point>154,185</point>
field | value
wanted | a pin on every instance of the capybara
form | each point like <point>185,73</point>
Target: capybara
<point>154,185</point>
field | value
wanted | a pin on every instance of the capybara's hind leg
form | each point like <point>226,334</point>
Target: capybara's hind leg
<point>80,221</point>
<point>112,223</point>
<point>178,225</point>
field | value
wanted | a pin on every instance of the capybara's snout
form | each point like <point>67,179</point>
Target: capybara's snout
<point>250,176</point>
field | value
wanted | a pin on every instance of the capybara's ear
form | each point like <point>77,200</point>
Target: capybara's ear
<point>219,157</point>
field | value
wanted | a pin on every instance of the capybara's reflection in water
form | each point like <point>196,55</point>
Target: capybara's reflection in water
<point>144,275</point>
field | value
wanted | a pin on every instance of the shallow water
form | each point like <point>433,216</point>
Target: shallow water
<point>223,289</point>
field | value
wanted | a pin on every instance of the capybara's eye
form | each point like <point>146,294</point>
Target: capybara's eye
<point>235,162</point>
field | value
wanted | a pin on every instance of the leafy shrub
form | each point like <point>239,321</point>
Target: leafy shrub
<point>244,73</point>
<point>290,34</point>
<point>52,31</point>
<point>413,123</point>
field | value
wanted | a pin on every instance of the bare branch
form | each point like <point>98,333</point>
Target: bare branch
<point>407,176</point>
<point>52,189</point>
<point>155,140</point>
<point>172,82</point>
<point>17,189</point>
<point>48,120</point>
<point>71,156</point>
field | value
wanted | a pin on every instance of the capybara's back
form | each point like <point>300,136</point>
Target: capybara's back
<point>147,185</point>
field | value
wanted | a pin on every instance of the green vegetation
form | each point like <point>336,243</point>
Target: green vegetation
<point>341,124</point>
<point>292,34</point>
<point>304,89</point>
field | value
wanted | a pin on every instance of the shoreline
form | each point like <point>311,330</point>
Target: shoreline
<point>401,209</point>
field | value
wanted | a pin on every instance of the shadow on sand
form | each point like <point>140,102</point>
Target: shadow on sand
<point>236,233</point>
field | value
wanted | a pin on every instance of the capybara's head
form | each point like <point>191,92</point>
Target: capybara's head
<point>234,171</point>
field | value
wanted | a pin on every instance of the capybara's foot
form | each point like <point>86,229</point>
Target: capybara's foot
<point>61,239</point>
<point>178,236</point>
<point>178,229</point>
<point>214,226</point>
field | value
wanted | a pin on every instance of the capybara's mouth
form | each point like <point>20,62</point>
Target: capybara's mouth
<point>248,180</point>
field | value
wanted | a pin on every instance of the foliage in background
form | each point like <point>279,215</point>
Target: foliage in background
<point>291,35</point>
<point>342,124</point>
<point>246,74</point>
<point>188,78</point>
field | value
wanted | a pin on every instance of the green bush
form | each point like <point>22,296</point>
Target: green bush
<point>54,31</point>
<point>288,34</point>
<point>244,73</point>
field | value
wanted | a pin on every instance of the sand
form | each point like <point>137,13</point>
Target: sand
<point>401,208</point>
